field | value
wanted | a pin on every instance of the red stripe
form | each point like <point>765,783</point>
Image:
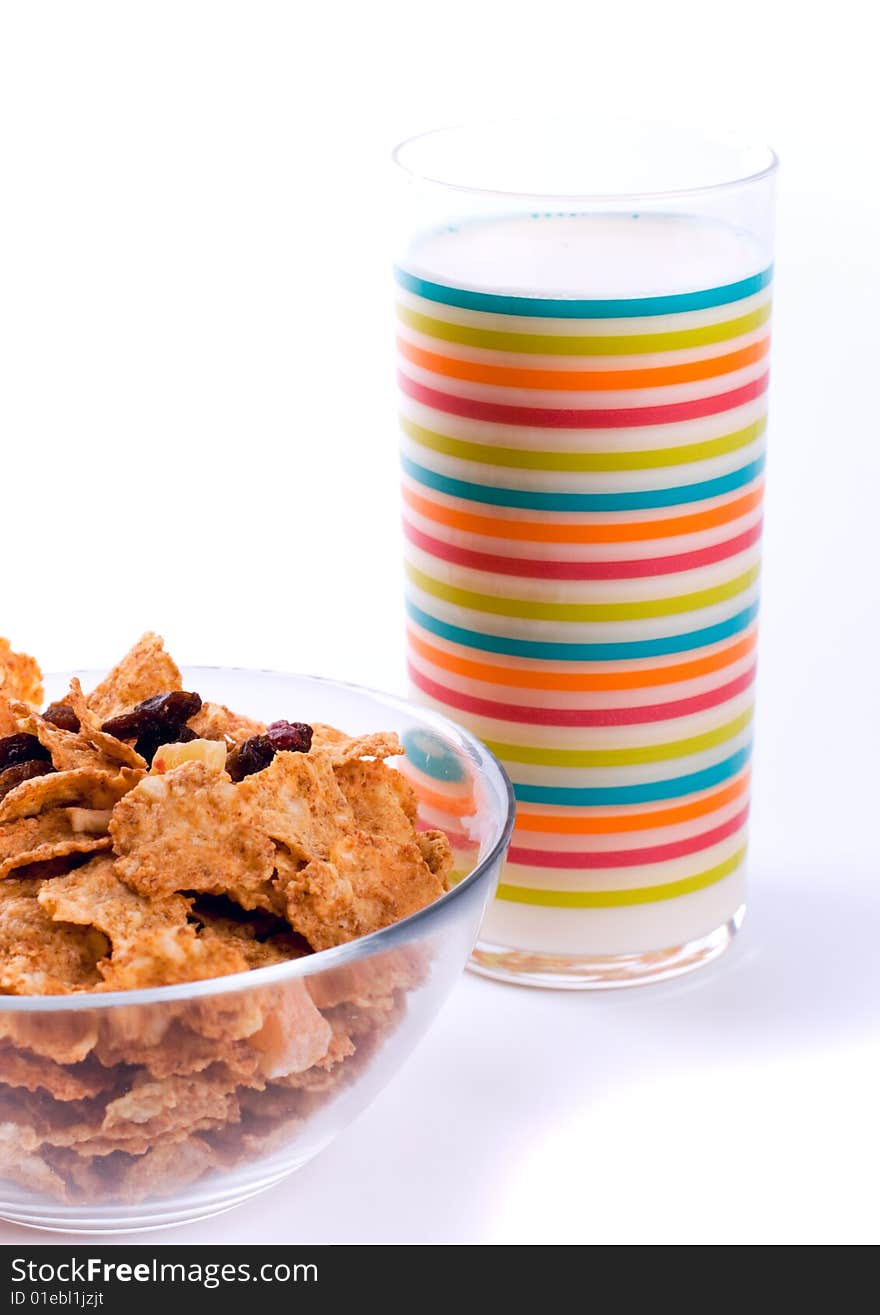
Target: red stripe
<point>564,418</point>
<point>553,570</point>
<point>519,712</point>
<point>624,858</point>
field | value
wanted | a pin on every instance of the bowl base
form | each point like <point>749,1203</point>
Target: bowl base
<point>144,1218</point>
<point>569,972</point>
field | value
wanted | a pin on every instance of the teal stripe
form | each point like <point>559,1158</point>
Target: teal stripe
<point>433,756</point>
<point>530,500</point>
<point>536,648</point>
<point>647,793</point>
<point>577,309</point>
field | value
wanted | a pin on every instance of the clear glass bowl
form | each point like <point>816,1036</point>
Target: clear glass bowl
<point>217,1087</point>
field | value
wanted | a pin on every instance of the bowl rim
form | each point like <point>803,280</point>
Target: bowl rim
<point>338,955</point>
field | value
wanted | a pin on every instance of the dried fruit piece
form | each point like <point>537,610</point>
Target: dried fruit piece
<point>63,716</point>
<point>149,745</point>
<point>89,821</point>
<point>21,772</point>
<point>163,714</point>
<point>22,748</point>
<point>192,830</point>
<point>294,1036</point>
<point>294,736</point>
<point>68,751</point>
<point>145,670</point>
<point>252,756</point>
<point>210,752</point>
<point>255,754</point>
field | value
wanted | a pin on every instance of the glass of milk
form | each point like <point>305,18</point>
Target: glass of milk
<point>583,316</point>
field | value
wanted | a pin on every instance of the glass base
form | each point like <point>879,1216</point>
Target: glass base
<point>568,972</point>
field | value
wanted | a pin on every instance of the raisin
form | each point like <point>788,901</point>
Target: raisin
<point>163,715</point>
<point>295,736</point>
<point>250,756</point>
<point>63,716</point>
<point>19,772</point>
<point>21,749</point>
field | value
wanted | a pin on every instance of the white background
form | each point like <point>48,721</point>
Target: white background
<point>197,429</point>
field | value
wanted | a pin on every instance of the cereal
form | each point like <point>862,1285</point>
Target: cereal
<point>152,943</point>
<point>8,723</point>
<point>178,1052</point>
<point>190,830</point>
<point>340,748</point>
<point>66,1038</point>
<point>144,671</point>
<point>38,957</point>
<point>28,1168</point>
<point>69,750</point>
<point>167,1167</point>
<point>34,839</point>
<point>437,853</point>
<point>298,803</point>
<point>371,983</point>
<point>90,730</point>
<point>173,1103</point>
<point>214,721</point>
<point>18,1068</point>
<point>374,875</point>
<point>88,787</point>
<point>148,839</point>
<point>20,676</point>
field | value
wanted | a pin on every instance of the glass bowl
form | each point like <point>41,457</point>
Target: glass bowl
<point>218,1089</point>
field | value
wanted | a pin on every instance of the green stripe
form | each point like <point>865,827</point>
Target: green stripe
<point>609,899</point>
<point>541,756</point>
<point>556,344</point>
<point>534,610</point>
<point>490,455</point>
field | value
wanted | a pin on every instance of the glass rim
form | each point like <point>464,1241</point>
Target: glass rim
<point>626,196</point>
<point>338,955</point>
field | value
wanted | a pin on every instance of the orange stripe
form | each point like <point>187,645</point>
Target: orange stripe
<point>463,806</point>
<point>580,381</point>
<point>542,678</point>
<point>560,532</point>
<point>604,824</point>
